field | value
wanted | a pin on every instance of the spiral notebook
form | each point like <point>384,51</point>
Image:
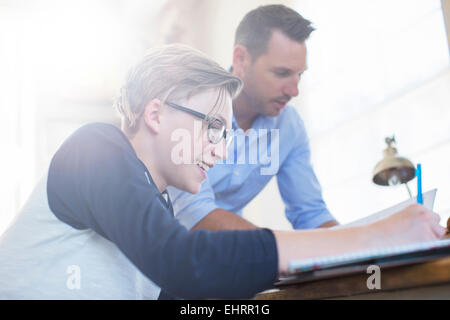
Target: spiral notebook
<point>341,264</point>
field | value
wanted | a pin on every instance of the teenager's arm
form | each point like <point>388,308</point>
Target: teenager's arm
<point>413,224</point>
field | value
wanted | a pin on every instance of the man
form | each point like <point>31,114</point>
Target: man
<point>270,57</point>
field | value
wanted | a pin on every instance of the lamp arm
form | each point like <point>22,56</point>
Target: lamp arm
<point>409,191</point>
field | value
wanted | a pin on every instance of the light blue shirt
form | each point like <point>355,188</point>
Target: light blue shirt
<point>274,146</point>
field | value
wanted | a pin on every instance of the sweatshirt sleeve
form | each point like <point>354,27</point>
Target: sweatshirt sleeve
<point>98,183</point>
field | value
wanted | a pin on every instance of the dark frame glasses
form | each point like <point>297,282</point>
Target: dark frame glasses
<point>216,128</point>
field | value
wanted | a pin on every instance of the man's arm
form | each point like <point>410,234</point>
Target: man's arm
<point>297,181</point>
<point>220,219</point>
<point>329,224</point>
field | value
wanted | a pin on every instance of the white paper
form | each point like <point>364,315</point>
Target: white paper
<point>428,202</point>
<point>340,259</point>
<point>363,255</point>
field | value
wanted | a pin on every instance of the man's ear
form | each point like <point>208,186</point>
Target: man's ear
<point>152,115</point>
<point>241,60</point>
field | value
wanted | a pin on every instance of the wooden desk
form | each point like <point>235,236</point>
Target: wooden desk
<point>430,280</point>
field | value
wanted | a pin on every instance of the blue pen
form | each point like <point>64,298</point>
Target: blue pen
<point>419,183</point>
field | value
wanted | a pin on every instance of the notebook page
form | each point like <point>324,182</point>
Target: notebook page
<point>341,259</point>
<point>428,202</point>
<point>335,260</point>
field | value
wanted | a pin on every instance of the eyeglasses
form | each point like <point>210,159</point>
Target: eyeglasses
<point>216,127</point>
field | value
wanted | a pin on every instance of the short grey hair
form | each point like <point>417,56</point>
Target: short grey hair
<point>170,72</point>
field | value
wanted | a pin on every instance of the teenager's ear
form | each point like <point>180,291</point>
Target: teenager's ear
<point>241,60</point>
<point>152,114</point>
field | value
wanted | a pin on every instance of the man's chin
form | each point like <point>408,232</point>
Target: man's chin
<point>274,112</point>
<point>276,108</point>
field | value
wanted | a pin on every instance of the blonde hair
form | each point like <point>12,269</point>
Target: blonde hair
<point>170,72</point>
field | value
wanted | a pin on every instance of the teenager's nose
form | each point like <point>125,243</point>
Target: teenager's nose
<point>219,150</point>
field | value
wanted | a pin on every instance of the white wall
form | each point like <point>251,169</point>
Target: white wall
<point>60,66</point>
<point>224,20</point>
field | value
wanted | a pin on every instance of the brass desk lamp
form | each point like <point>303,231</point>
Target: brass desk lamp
<point>393,169</point>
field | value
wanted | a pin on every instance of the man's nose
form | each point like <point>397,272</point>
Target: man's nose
<point>291,88</point>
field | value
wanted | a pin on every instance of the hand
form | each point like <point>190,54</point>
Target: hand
<point>447,235</point>
<point>412,224</point>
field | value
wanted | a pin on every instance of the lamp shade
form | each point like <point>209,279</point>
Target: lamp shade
<point>392,169</point>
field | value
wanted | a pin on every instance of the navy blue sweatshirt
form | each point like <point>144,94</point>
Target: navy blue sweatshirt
<point>96,181</point>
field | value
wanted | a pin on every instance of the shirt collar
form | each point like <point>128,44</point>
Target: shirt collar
<point>260,122</point>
